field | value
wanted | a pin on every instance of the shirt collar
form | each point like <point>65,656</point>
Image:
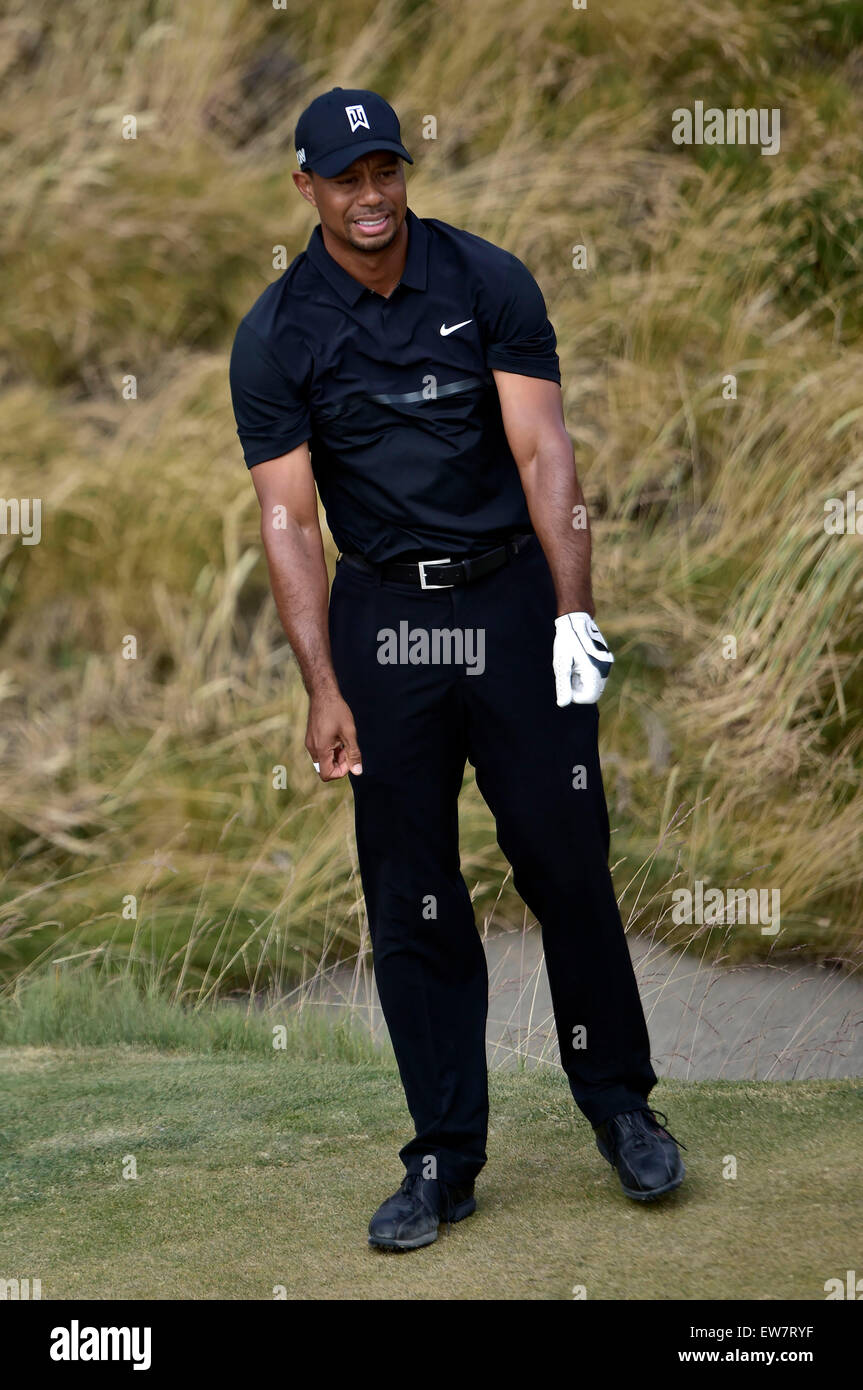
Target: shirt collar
<point>413,275</point>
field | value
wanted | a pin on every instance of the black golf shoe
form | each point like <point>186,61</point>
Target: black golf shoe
<point>410,1218</point>
<point>642,1152</point>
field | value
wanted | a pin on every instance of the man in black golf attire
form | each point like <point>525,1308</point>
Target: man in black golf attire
<point>409,370</point>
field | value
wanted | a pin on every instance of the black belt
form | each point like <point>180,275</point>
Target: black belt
<point>445,574</point>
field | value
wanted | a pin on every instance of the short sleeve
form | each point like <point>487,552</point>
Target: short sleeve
<point>270,398</point>
<point>521,338</point>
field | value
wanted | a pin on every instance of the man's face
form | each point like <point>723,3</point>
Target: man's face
<point>365,204</point>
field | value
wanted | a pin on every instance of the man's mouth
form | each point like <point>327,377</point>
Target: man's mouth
<point>372,225</point>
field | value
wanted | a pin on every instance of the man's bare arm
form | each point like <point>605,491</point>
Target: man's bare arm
<point>291,534</point>
<point>532,411</point>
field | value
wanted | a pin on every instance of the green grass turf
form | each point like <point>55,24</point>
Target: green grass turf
<point>258,1172</point>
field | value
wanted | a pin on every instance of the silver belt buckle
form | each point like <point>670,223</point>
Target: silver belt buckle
<point>422,564</point>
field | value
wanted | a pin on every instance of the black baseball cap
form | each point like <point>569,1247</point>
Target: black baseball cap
<point>342,124</point>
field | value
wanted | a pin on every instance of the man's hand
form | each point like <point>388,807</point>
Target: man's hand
<point>581,659</point>
<point>331,738</point>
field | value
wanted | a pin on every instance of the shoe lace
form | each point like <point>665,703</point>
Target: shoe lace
<point>655,1116</point>
<point>629,1124</point>
<point>415,1183</point>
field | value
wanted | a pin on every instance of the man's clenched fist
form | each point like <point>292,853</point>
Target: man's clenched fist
<point>331,737</point>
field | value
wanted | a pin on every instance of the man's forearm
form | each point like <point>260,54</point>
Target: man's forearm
<point>298,577</point>
<point>559,515</point>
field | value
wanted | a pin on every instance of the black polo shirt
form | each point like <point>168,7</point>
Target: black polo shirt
<point>396,395</point>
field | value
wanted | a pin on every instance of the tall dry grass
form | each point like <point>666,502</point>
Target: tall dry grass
<point>153,778</point>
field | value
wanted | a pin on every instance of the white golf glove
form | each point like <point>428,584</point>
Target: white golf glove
<point>581,659</point>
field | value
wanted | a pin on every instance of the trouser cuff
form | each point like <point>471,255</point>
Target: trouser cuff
<point>450,1169</point>
<point>602,1106</point>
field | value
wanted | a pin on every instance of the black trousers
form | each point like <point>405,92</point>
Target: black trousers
<point>418,720</point>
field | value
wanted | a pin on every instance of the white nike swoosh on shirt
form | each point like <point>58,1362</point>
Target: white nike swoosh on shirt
<point>445,332</point>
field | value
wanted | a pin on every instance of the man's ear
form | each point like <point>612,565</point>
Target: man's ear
<point>303,182</point>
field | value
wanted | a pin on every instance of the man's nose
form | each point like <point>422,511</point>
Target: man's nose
<point>369,193</point>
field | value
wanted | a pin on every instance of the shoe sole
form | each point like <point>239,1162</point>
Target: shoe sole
<point>461,1211</point>
<point>651,1196</point>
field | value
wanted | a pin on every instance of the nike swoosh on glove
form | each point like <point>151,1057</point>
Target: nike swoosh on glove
<point>581,659</point>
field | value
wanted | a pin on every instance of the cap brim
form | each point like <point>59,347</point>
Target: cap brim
<point>338,160</point>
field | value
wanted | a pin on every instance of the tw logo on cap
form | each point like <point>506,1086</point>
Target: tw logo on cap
<point>357,117</point>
